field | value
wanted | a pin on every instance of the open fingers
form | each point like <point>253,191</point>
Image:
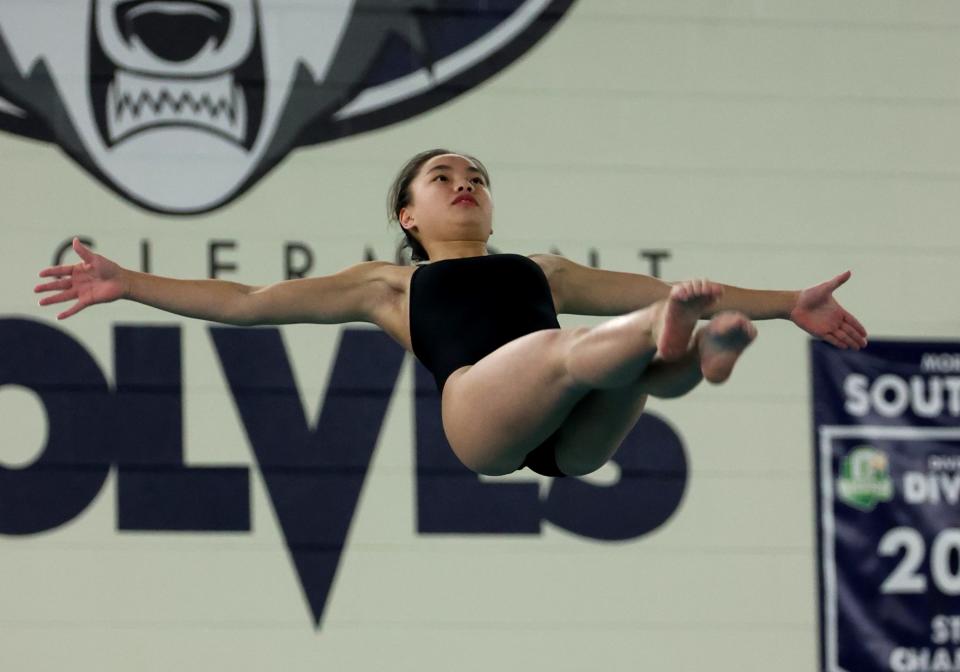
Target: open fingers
<point>854,335</point>
<point>839,280</point>
<point>59,298</point>
<point>832,340</point>
<point>846,339</point>
<point>57,271</point>
<point>85,252</point>
<point>846,333</point>
<point>73,310</point>
<point>850,319</point>
<point>63,283</point>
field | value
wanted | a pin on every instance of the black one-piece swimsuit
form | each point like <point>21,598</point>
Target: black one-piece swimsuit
<point>463,309</point>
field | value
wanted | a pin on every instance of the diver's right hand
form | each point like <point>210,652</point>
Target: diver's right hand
<point>95,280</point>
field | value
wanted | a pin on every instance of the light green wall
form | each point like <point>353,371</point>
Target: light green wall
<point>767,144</point>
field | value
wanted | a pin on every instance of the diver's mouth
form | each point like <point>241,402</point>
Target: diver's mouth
<point>228,104</point>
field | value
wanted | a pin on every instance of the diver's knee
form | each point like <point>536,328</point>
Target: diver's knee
<point>578,465</point>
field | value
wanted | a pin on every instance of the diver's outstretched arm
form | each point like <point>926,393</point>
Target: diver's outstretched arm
<point>581,290</point>
<point>813,309</point>
<point>347,296</point>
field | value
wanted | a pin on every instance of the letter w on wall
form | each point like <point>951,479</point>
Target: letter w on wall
<point>314,476</point>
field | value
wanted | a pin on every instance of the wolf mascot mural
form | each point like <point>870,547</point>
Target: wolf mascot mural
<point>181,105</point>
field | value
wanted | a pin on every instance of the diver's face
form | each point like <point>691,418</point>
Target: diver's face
<point>449,201</point>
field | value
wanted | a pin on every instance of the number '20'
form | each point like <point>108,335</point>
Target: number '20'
<point>905,578</point>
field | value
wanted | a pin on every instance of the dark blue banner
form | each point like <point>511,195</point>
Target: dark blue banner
<point>887,439</point>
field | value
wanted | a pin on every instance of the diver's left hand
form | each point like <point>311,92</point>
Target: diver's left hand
<point>819,314</point>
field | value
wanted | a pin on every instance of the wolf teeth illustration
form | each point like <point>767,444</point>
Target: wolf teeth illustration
<point>137,103</point>
<point>180,106</point>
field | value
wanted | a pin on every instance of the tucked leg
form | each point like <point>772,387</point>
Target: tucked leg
<point>600,422</point>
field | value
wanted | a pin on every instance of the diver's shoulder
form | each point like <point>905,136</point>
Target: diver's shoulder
<point>550,263</point>
<point>396,277</point>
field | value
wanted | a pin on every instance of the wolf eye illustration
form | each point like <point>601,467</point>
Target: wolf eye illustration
<point>179,106</point>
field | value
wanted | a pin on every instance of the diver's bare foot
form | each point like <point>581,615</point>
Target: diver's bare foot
<point>686,304</point>
<point>722,341</point>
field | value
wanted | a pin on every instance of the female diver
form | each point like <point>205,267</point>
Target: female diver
<point>516,389</point>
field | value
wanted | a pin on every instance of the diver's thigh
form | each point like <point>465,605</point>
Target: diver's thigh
<point>596,426</point>
<point>503,406</point>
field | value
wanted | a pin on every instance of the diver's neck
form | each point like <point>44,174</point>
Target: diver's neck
<point>457,250</point>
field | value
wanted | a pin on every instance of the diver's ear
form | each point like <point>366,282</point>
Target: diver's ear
<point>406,218</point>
